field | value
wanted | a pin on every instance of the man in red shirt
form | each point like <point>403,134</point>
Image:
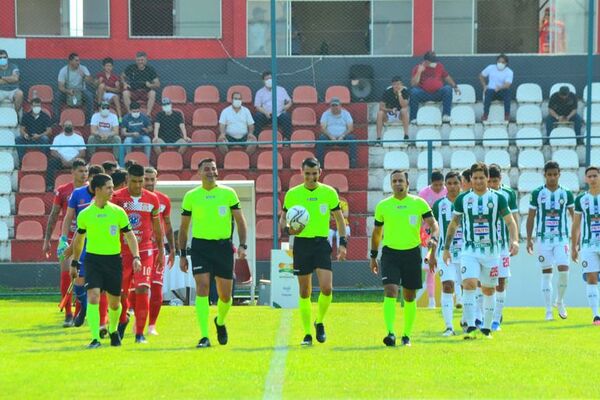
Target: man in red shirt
<point>142,207</point>
<point>109,86</point>
<point>431,82</point>
<point>79,170</point>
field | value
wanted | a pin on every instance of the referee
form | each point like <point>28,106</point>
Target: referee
<point>401,214</point>
<point>101,222</point>
<point>211,208</point>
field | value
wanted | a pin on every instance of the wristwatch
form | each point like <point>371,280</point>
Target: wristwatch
<point>243,246</point>
<point>137,258</point>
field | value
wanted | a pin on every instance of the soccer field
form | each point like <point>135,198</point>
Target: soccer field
<point>529,358</point>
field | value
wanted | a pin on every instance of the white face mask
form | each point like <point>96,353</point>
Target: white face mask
<point>135,114</point>
<point>269,83</point>
<point>500,66</point>
<point>167,108</point>
<point>36,109</point>
<point>104,112</point>
<point>3,62</point>
<point>432,64</point>
<point>237,103</point>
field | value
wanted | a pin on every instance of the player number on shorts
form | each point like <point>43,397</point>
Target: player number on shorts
<point>146,271</point>
<point>506,262</point>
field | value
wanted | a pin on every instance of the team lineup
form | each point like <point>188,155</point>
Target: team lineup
<point>117,239</point>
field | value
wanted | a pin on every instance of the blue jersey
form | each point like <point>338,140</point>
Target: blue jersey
<point>79,200</point>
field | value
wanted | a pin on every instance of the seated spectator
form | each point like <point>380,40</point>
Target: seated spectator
<point>72,88</point>
<point>431,82</point>
<point>9,82</point>
<point>496,80</point>
<point>104,129</point>
<point>393,107</point>
<point>109,86</point>
<point>562,109</point>
<point>336,124</point>
<point>333,233</point>
<point>169,128</point>
<point>110,167</point>
<point>140,83</point>
<point>235,125</point>
<point>136,129</point>
<point>36,127</point>
<point>263,102</point>
<point>66,148</point>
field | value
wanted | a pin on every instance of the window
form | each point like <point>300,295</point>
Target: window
<point>175,18</point>
<point>259,28</point>
<point>70,18</point>
<point>392,27</point>
<point>453,26</point>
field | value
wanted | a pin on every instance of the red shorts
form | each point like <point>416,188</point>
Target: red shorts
<point>133,279</point>
<point>157,277</point>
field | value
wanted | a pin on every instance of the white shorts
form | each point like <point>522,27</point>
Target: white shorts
<point>449,272</point>
<point>483,267</point>
<point>8,95</point>
<point>393,117</point>
<point>590,260</point>
<point>108,96</point>
<point>552,254</point>
<point>504,271</point>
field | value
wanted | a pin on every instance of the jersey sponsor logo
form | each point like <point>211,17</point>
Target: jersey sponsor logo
<point>481,230</point>
<point>101,215</point>
<point>312,199</point>
<point>162,208</point>
<point>490,205</point>
<point>135,220</point>
<point>551,222</point>
<point>138,206</point>
<point>210,197</point>
<point>541,259</point>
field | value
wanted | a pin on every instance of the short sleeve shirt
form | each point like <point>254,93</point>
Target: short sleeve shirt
<point>61,199</point>
<point>164,209</point>
<point>105,124</point>
<point>588,206</point>
<point>336,124</point>
<point>141,212</point>
<point>497,78</point>
<point>111,81</point>
<point>169,130</point>
<point>136,124</point>
<point>73,79</point>
<point>103,228</point>
<point>10,70</point>
<point>211,211</point>
<point>392,99</point>
<point>36,126</point>
<point>74,142</point>
<point>264,99</point>
<point>401,221</point>
<point>319,203</point>
<point>80,199</point>
<point>563,107</point>
<point>551,217</point>
<point>137,78</point>
<point>432,79</point>
<point>236,122</point>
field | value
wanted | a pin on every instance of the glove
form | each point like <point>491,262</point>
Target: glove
<point>62,245</point>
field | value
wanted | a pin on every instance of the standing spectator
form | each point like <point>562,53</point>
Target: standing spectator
<point>140,82</point>
<point>337,124</point>
<point>393,106</point>
<point>72,88</point>
<point>109,86</point>
<point>9,82</point>
<point>35,128</point>
<point>496,80</point>
<point>431,82</point>
<point>562,109</point>
<point>169,127</point>
<point>235,125</point>
<point>263,102</point>
<point>105,130</point>
<point>136,129</point>
<point>63,157</point>
<point>551,33</point>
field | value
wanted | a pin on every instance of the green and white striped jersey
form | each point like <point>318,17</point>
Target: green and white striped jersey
<point>589,207</point>
<point>511,199</point>
<point>480,215</point>
<point>551,216</point>
<point>442,212</point>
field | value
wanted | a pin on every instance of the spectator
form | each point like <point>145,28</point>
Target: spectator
<point>35,128</point>
<point>136,129</point>
<point>169,127</point>
<point>236,125</point>
<point>337,125</point>
<point>496,80</point>
<point>105,130</point>
<point>393,106</point>
<point>333,233</point>
<point>63,157</point>
<point>562,109</point>
<point>431,82</point>
<point>110,167</point>
<point>109,86</point>
<point>140,82</point>
<point>263,102</point>
<point>72,88</point>
<point>9,82</point>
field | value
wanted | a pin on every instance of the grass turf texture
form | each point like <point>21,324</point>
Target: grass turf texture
<point>529,358</point>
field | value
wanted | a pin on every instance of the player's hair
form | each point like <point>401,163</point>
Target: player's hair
<point>466,174</point>
<point>234,93</point>
<point>503,56</point>
<point>399,171</point>
<point>78,162</point>
<point>495,171</point>
<point>592,168</point>
<point>436,175</point>
<point>480,167</point>
<point>96,169</point>
<point>3,53</point>
<point>107,60</point>
<point>311,162</point>
<point>36,100</point>
<point>150,170</point>
<point>109,165</point>
<point>135,170</point>
<point>205,160</point>
<point>129,163</point>
<point>396,78</point>
<point>141,53</point>
<point>99,180</point>
<point>452,174</point>
<point>72,56</point>
<point>265,74</point>
<point>119,177</point>
<point>551,165</point>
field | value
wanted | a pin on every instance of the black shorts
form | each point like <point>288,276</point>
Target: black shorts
<point>231,139</point>
<point>402,267</point>
<point>104,272</point>
<point>310,254</point>
<point>212,256</point>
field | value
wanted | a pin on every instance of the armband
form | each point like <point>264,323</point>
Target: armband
<point>343,241</point>
<point>374,253</point>
<point>75,264</point>
<point>182,253</point>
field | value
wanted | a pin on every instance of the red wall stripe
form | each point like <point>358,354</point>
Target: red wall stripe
<point>7,19</point>
<point>422,26</point>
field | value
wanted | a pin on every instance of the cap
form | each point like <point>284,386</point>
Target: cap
<point>166,101</point>
<point>335,101</point>
<point>564,90</point>
<point>430,56</point>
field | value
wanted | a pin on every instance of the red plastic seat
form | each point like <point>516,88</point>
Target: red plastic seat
<point>176,93</point>
<point>236,159</point>
<point>199,156</point>
<point>264,207</point>
<point>169,161</point>
<point>234,177</point>
<point>338,181</point>
<point>62,179</point>
<point>267,136</point>
<point>304,116</point>
<point>243,90</point>
<point>205,117</point>
<point>43,92</point>
<point>264,229</point>
<point>32,184</point>
<point>336,160</point>
<point>204,136</point>
<point>264,184</point>
<point>302,135</point>
<point>100,157</point>
<point>265,161</point>
<point>168,177</point>
<point>31,207</point>
<point>305,95</point>
<point>241,269</point>
<point>34,161</point>
<point>296,180</point>
<point>207,94</point>
<point>29,230</point>
<point>298,157</point>
<point>338,91</point>
<point>75,115</point>
<point>139,157</point>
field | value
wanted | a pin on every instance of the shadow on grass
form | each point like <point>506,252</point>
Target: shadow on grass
<point>560,327</point>
<point>359,348</point>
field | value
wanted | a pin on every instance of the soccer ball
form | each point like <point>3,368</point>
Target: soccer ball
<point>297,218</point>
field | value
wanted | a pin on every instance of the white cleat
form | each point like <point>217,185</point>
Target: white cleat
<point>152,330</point>
<point>448,332</point>
<point>562,311</point>
<point>549,316</point>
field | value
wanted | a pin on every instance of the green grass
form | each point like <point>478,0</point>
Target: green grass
<point>529,358</point>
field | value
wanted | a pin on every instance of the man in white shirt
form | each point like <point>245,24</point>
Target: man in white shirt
<point>263,103</point>
<point>496,80</point>
<point>337,125</point>
<point>235,125</point>
<point>105,130</point>
<point>66,147</point>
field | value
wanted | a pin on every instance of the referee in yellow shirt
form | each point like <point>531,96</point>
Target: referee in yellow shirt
<point>399,218</point>
<point>102,223</point>
<point>210,208</point>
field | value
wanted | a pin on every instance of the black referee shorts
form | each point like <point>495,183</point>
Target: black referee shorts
<point>310,254</point>
<point>104,272</point>
<point>402,267</point>
<point>212,256</point>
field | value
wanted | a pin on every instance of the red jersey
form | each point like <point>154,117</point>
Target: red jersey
<point>61,199</point>
<point>111,81</point>
<point>164,209</point>
<point>432,79</point>
<point>141,211</point>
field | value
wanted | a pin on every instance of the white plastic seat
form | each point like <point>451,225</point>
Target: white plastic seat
<point>7,162</point>
<point>529,181</point>
<point>395,160</point>
<point>529,137</point>
<point>566,158</point>
<point>429,116</point>
<point>7,138</point>
<point>567,136</point>
<point>5,184</point>
<point>531,159</point>
<point>436,157</point>
<point>529,93</point>
<point>462,115</point>
<point>595,113</point>
<point>467,94</point>
<point>496,115</point>
<point>8,117</point>
<point>498,156</point>
<point>570,180</point>
<point>462,159</point>
<point>556,87</point>
<point>524,205</point>
<point>3,231</point>
<point>529,114</point>
<point>386,185</point>
<point>595,157</point>
<point>394,133</point>
<point>500,134</point>
<point>595,92</point>
<point>423,135</point>
<point>4,207</point>
<point>595,139</point>
<point>422,181</point>
<point>465,137</point>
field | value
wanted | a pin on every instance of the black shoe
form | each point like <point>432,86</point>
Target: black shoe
<point>390,340</point>
<point>140,339</point>
<point>478,323</point>
<point>68,321</point>
<point>103,332</point>
<point>470,333</point>
<point>221,333</point>
<point>121,328</point>
<point>115,339</point>
<point>320,328</point>
<point>79,319</point>
<point>406,341</point>
<point>487,333</point>
<point>94,344</point>
<point>307,341</point>
<point>204,342</point>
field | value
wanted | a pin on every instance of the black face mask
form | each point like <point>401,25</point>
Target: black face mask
<point>68,129</point>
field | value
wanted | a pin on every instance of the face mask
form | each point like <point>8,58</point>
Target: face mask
<point>237,103</point>
<point>3,62</point>
<point>36,109</point>
<point>269,83</point>
<point>432,64</point>
<point>135,114</point>
<point>68,129</point>
<point>500,66</point>
<point>104,112</point>
<point>167,108</point>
